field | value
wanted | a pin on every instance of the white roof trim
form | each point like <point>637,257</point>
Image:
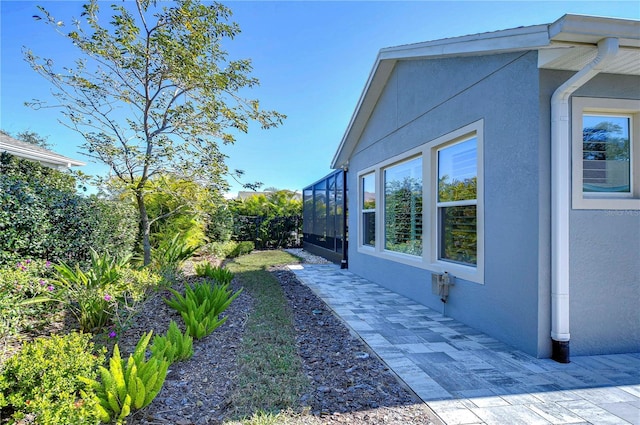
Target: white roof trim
<point>568,32</point>
<point>36,153</point>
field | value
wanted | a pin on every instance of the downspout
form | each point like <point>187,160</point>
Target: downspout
<point>344,264</point>
<point>561,196</point>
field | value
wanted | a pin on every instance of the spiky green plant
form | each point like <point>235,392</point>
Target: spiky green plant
<point>174,346</point>
<point>124,388</point>
<point>201,306</point>
<point>221,275</point>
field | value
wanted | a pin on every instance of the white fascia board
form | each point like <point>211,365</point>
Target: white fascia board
<point>518,39</point>
<point>49,160</point>
<point>591,29</point>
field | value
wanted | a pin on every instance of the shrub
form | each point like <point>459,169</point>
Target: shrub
<point>41,380</point>
<point>221,250</point>
<point>174,346</point>
<point>124,388</point>
<point>41,216</point>
<point>221,275</point>
<point>245,247</point>
<point>92,296</point>
<point>170,255</point>
<point>24,289</point>
<point>201,306</point>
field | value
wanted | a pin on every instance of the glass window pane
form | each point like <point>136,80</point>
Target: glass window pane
<point>459,234</point>
<point>368,210</point>
<point>403,207</point>
<point>369,192</point>
<point>369,228</point>
<point>606,153</point>
<point>458,171</point>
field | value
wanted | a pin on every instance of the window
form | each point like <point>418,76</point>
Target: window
<point>403,207</point>
<point>368,210</point>
<point>606,153</point>
<point>426,206</point>
<point>456,204</point>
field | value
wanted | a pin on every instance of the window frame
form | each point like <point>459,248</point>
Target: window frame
<point>430,228</point>
<point>604,200</point>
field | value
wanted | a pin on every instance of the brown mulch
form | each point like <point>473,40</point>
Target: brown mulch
<point>349,384</point>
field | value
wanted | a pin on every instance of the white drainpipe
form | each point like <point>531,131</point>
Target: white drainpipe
<point>561,195</point>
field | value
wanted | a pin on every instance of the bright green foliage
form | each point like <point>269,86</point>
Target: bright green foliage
<point>221,275</point>
<point>174,346</point>
<point>25,295</point>
<point>126,387</point>
<point>42,217</point>
<point>42,379</point>
<point>155,80</point>
<point>229,249</point>
<point>93,296</point>
<point>268,219</point>
<point>201,306</point>
<point>171,254</point>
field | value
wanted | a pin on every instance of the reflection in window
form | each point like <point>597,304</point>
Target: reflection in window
<point>368,210</point>
<point>403,207</point>
<point>457,200</point>
<point>606,154</point>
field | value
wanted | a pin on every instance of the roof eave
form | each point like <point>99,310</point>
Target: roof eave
<point>568,29</point>
<point>55,160</point>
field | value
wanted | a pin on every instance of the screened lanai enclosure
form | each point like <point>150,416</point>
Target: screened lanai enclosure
<point>325,217</point>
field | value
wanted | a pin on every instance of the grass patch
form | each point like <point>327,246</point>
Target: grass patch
<point>271,378</point>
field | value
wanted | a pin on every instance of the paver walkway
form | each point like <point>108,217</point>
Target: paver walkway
<point>467,377</point>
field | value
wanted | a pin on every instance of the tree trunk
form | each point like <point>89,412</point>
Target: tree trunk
<point>145,228</point>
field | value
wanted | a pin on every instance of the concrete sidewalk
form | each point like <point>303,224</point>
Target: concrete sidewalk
<point>467,377</point>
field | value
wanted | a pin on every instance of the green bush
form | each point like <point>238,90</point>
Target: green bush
<point>95,296</point>
<point>41,216</point>
<point>170,255</point>
<point>201,306</point>
<point>229,249</point>
<point>42,380</point>
<point>24,290</point>
<point>174,346</point>
<point>221,275</point>
<point>124,388</point>
<point>245,247</point>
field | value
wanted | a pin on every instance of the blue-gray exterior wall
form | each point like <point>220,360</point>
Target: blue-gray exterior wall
<point>605,260</point>
<point>425,99</point>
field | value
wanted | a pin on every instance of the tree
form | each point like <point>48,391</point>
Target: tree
<point>154,92</point>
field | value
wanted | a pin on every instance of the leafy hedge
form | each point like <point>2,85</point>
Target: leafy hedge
<point>41,216</point>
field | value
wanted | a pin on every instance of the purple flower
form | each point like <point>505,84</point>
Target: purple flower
<point>42,282</point>
<point>50,288</point>
<point>47,264</point>
<point>112,334</point>
<point>107,297</point>
<point>28,261</point>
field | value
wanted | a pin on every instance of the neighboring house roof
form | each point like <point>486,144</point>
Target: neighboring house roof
<point>36,153</point>
<point>566,44</point>
<point>248,194</point>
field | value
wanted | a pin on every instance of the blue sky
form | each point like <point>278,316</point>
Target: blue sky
<point>312,59</point>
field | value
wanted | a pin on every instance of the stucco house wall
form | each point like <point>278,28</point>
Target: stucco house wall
<point>554,263</point>
<point>416,107</point>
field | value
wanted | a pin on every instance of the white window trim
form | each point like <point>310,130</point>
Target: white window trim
<point>429,259</point>
<point>604,201</point>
